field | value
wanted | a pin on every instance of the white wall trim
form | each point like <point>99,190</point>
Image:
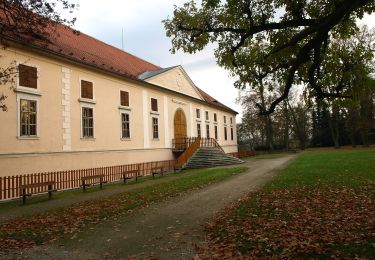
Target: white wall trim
<point>167,139</point>
<point>146,142</point>
<point>67,135</point>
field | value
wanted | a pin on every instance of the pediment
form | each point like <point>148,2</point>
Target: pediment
<point>175,79</point>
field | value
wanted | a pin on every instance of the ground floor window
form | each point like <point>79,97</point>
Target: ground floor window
<point>231,133</point>
<point>225,133</point>
<point>28,117</point>
<point>207,131</point>
<point>199,130</point>
<point>216,132</point>
<point>87,122</point>
<point>125,126</point>
<point>155,128</point>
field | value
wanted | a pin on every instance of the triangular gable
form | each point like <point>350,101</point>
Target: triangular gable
<point>174,78</point>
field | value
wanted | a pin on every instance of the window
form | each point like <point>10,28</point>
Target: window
<point>199,130</point>
<point>225,133</point>
<point>207,131</point>
<point>231,120</point>
<point>231,133</point>
<point>87,122</point>
<point>215,117</point>
<point>87,89</point>
<point>124,98</point>
<point>154,104</point>
<point>28,76</point>
<point>198,111</point>
<point>216,132</point>
<point>125,126</point>
<point>225,119</point>
<point>28,117</point>
<point>155,128</point>
<point>207,117</point>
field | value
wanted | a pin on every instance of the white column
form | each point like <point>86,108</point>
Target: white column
<point>167,138</point>
<point>146,141</point>
<point>67,135</point>
<point>192,120</point>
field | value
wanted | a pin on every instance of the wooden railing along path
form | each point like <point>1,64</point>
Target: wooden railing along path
<point>10,185</point>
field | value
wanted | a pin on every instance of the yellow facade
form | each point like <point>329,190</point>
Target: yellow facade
<point>59,144</point>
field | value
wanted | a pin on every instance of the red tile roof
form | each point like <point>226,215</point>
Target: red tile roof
<point>85,49</point>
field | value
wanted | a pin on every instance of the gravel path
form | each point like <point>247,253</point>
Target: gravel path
<point>168,230</point>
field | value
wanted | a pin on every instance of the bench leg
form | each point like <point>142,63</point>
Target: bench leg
<point>101,183</point>
<point>84,185</point>
<point>49,191</point>
<point>124,178</point>
<point>23,196</point>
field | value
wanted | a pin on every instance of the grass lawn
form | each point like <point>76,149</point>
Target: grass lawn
<point>321,206</point>
<point>40,228</point>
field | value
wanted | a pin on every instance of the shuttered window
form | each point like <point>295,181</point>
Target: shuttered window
<point>28,76</point>
<point>87,89</point>
<point>124,98</point>
<point>154,104</point>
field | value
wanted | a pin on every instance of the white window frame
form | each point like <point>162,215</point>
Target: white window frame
<point>130,131</point>
<point>28,96</point>
<point>152,128</point>
<point>92,106</point>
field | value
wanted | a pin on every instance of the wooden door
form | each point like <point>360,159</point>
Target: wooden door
<point>180,132</point>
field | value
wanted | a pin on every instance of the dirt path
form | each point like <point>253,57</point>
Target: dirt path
<point>168,230</point>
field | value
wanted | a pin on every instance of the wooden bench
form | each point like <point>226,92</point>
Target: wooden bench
<point>126,175</point>
<point>25,189</point>
<point>99,179</point>
<point>157,170</point>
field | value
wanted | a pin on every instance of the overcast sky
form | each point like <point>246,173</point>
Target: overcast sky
<point>144,36</point>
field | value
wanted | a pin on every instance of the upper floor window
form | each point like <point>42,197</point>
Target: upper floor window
<point>155,128</point>
<point>215,117</point>
<point>207,116</point>
<point>28,117</point>
<point>28,76</point>
<point>225,119</point>
<point>87,89</point>
<point>124,98</point>
<point>87,122</point>
<point>231,120</point>
<point>154,104</point>
<point>198,112</point>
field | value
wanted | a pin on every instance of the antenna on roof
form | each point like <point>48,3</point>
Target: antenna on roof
<point>122,38</point>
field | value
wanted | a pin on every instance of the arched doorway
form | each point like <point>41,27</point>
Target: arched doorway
<point>180,131</point>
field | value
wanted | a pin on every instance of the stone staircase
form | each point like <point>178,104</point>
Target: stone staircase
<point>206,157</point>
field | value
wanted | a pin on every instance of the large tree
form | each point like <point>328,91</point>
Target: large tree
<point>287,38</point>
<point>28,21</point>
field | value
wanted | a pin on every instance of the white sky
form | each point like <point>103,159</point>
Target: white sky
<point>144,36</point>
